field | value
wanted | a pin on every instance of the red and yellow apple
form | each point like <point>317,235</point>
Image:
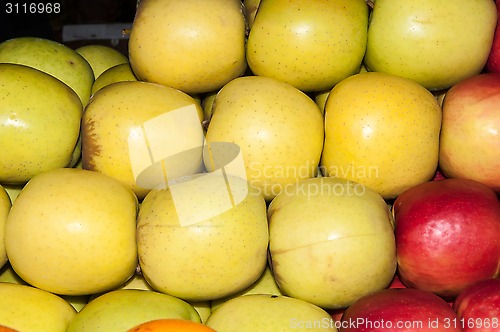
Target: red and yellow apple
<point>470,133</point>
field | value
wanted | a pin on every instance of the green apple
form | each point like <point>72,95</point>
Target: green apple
<point>120,310</point>
<point>278,128</point>
<point>203,238</point>
<point>203,308</point>
<point>434,43</point>
<point>52,58</point>
<point>26,308</point>
<point>72,232</point>
<point>101,57</point>
<point>320,98</point>
<point>264,285</point>
<point>269,313</point>
<point>5,205</point>
<point>311,45</point>
<point>195,46</point>
<point>130,129</point>
<point>381,130</point>
<point>207,104</point>
<point>331,241</point>
<point>39,123</point>
<point>118,73</point>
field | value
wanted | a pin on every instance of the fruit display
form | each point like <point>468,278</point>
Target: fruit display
<point>253,165</point>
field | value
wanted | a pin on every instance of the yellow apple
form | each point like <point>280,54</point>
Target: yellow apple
<point>118,73</point>
<point>311,45</point>
<point>5,205</point>
<point>203,238</point>
<point>13,191</point>
<point>120,310</point>
<point>278,128</point>
<point>269,313</point>
<point>39,123</point>
<point>381,130</point>
<point>435,43</point>
<point>264,285</point>
<point>192,45</point>
<point>52,58</point>
<point>26,308</point>
<point>72,232</point>
<point>331,241</point>
<point>7,274</point>
<point>101,57</point>
<point>132,128</point>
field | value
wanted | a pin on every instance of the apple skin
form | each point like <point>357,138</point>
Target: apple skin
<point>478,306</point>
<point>447,235</point>
<point>493,63</point>
<point>470,134</point>
<point>385,310</point>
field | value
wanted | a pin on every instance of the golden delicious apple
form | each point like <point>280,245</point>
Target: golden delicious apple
<point>203,238</point>
<point>5,205</point>
<point>331,241</point>
<point>120,310</point>
<point>382,131</point>
<point>39,123</point>
<point>311,45</point>
<point>101,57</point>
<point>26,308</point>
<point>118,73</point>
<point>52,58</point>
<point>132,128</point>
<point>278,128</point>
<point>269,313</point>
<point>264,285</point>
<point>72,232</point>
<point>435,43</point>
<point>192,45</point>
<point>13,191</point>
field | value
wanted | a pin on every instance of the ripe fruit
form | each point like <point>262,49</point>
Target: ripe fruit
<point>447,235</point>
<point>52,58</point>
<point>26,308</point>
<point>264,312</point>
<point>434,43</point>
<point>311,45</point>
<point>171,325</point>
<point>382,131</point>
<point>118,73</point>
<point>203,238</point>
<point>101,57</point>
<point>121,310</point>
<point>5,205</point>
<point>277,127</point>
<point>470,133</point>
<point>132,128</point>
<point>72,232</point>
<point>340,232</point>
<point>478,306</point>
<point>403,309</point>
<point>39,123</point>
<point>195,46</point>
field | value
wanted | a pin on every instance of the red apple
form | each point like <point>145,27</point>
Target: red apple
<point>493,63</point>
<point>470,133</point>
<point>447,235</point>
<point>478,306</point>
<point>399,309</point>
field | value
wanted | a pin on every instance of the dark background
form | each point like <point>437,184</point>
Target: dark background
<point>72,12</point>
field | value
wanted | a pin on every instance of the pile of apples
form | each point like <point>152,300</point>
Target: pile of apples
<point>267,165</point>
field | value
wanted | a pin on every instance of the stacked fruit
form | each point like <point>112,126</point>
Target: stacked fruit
<point>256,166</point>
